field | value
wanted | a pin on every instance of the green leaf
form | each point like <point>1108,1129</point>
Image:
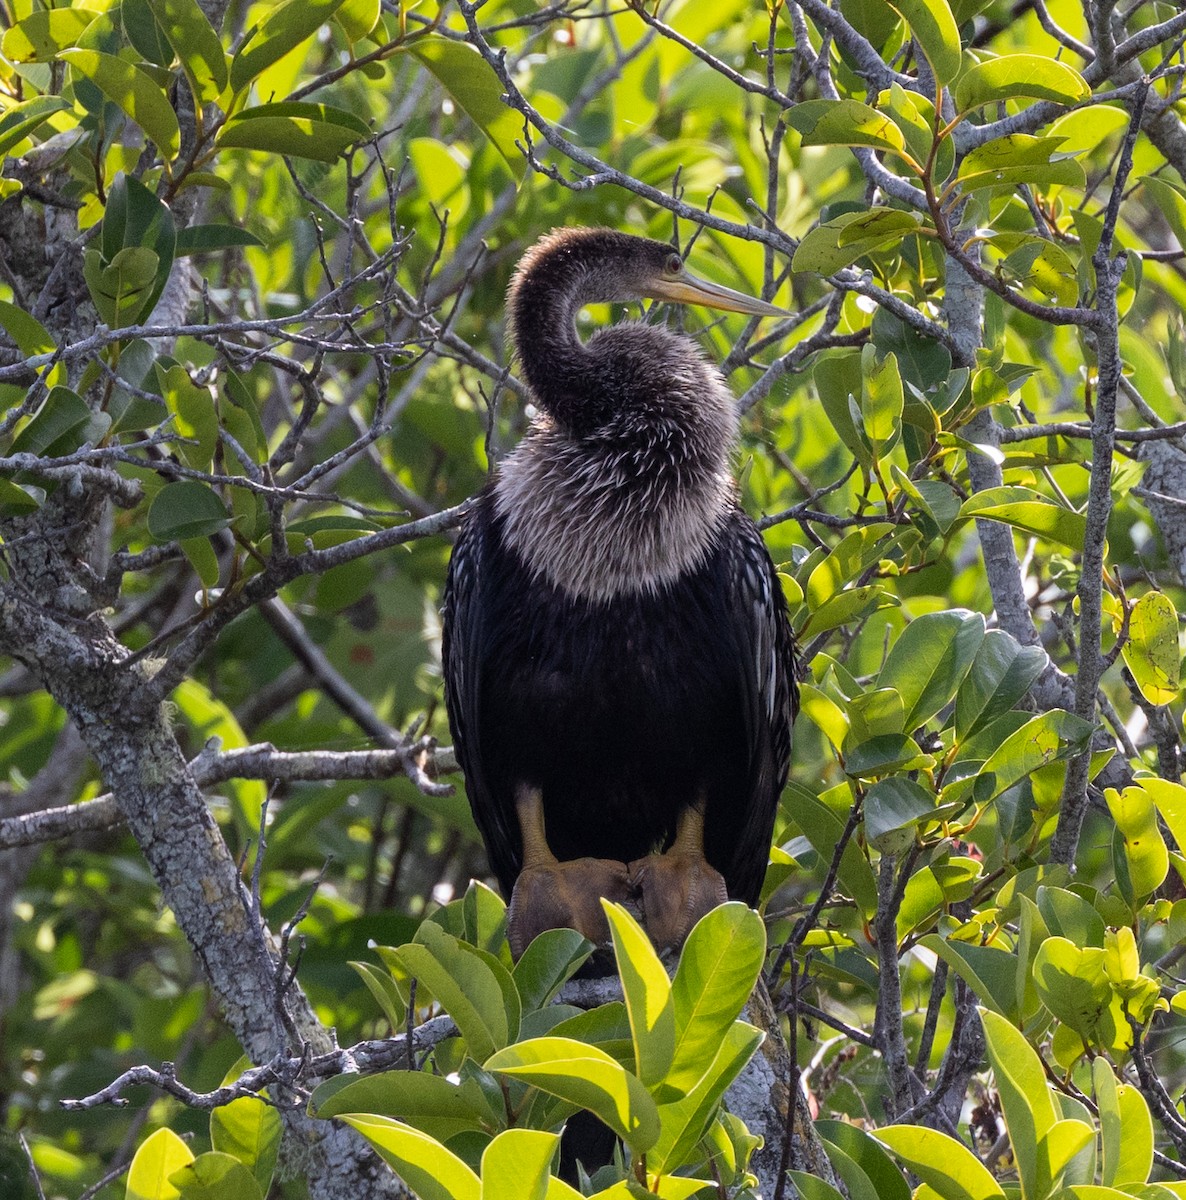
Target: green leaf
<point>515,1166</point>
<point>1019,76</point>
<point>648,996</point>
<point>1050,736</point>
<point>885,753</point>
<point>1001,674</point>
<point>196,45</point>
<point>194,416</point>
<point>186,509</point>
<point>195,239</point>
<point>428,1168</point>
<point>41,35</point>
<point>1135,1160</point>
<point>1170,799</point>
<point>21,119</point>
<point>940,1161</point>
<point>990,973</point>
<point>822,827</point>
<point>1069,915</point>
<point>845,123</point>
<point>214,1176</point>
<point>358,17</point>
<point>161,1154</point>
<point>893,807</point>
<point>930,660</point>
<point>1108,1105</point>
<point>1151,652</point>
<point>1030,512</point>
<point>878,1174</point>
<point>838,243</point>
<point>547,964</point>
<point>135,91</point>
<point>430,1103</point>
<point>134,217</point>
<point>586,1076</point>
<point>144,33</point>
<point>1018,158</point>
<point>1058,1148</point>
<point>383,988</point>
<point>812,1187</point>
<point>57,428</point>
<point>1072,983</point>
<point>472,83</point>
<point>837,380</point>
<point>1135,815</point>
<point>120,288</point>
<point>1171,202</point>
<point>936,32</point>
<point>853,554</point>
<point>718,968</point>
<point>1025,1098</point>
<point>31,337</point>
<point>203,558</point>
<point>294,128</point>
<point>1032,261</point>
<point>284,28</point>
<point>881,400</point>
<point>16,499</point>
<point>683,1121</point>
<point>466,983</point>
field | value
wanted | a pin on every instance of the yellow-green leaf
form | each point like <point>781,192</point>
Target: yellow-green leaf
<point>1019,76</point>
<point>1151,652</point>
<point>160,1155</point>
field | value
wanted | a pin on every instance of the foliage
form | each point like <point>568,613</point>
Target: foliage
<point>252,367</point>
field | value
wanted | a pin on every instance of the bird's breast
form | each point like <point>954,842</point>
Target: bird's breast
<point>620,522</point>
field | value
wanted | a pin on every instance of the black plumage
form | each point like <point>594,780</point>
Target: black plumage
<point>616,643</point>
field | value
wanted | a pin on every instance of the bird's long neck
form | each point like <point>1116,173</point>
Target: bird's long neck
<point>562,374</point>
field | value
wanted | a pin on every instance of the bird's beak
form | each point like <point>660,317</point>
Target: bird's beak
<point>688,289</point>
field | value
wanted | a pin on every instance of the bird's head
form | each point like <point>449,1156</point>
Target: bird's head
<point>596,266</point>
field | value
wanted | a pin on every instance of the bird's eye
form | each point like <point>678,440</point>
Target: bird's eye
<point>674,264</point>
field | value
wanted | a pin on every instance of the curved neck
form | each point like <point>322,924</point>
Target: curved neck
<point>560,371</point>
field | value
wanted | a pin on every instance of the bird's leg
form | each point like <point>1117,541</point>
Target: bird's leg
<point>550,894</point>
<point>678,887</point>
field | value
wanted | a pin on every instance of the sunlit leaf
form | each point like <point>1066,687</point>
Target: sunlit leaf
<point>428,1168</point>
<point>282,30</point>
<point>586,1076</point>
<point>159,1156</point>
<point>935,30</point>
<point>196,45</point>
<point>1019,76</point>
<point>1151,651</point>
<point>135,91</point>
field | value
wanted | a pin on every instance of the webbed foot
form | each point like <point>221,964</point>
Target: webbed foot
<point>678,887</point>
<point>565,895</point>
<point>550,894</point>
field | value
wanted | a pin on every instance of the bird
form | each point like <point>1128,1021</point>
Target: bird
<point>618,661</point>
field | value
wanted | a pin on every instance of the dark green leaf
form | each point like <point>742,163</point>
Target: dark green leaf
<point>194,239</point>
<point>186,509</point>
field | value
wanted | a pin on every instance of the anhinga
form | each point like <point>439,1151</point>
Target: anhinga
<point>618,661</point>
